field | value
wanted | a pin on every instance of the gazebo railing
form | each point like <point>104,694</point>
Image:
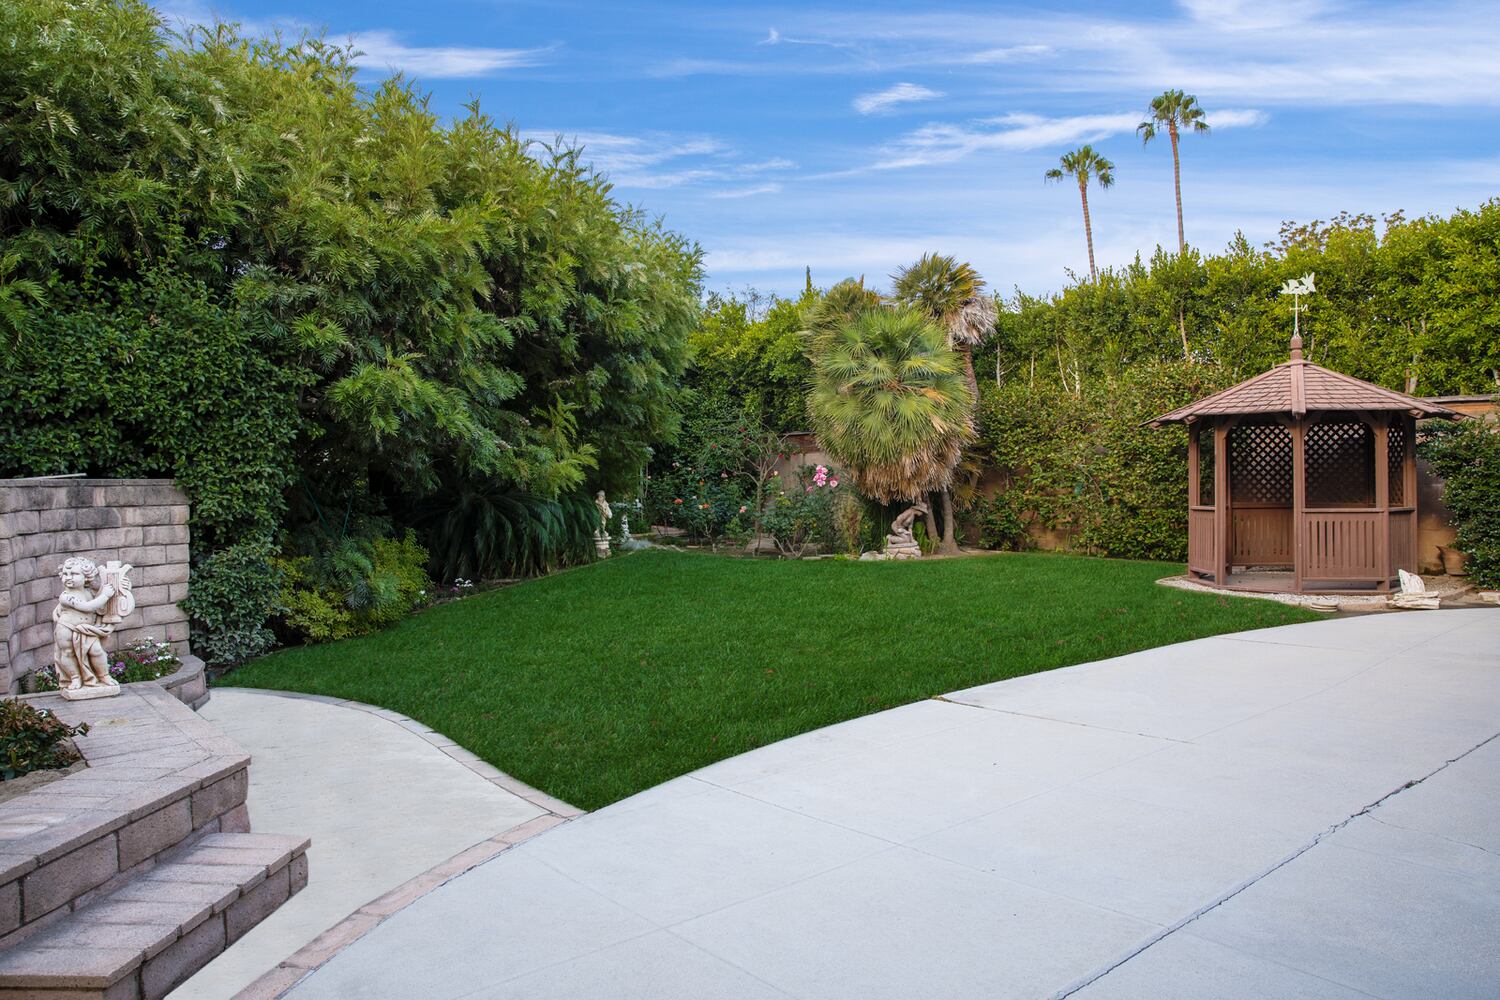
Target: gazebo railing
<point>1202,546</point>
<point>1342,544</point>
<point>1261,535</point>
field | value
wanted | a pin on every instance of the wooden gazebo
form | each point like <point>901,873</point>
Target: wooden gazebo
<point>1302,480</point>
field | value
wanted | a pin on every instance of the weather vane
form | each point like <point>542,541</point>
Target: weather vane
<point>1296,288</point>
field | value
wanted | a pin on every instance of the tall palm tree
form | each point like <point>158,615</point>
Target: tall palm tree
<point>949,293</point>
<point>1083,165</point>
<point>888,401</point>
<point>1176,112</point>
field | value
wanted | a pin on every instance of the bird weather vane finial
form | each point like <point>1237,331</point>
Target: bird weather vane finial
<point>1296,288</point>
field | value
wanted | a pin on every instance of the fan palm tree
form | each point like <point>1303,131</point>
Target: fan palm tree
<point>948,292</point>
<point>834,310</point>
<point>1083,165</point>
<point>1176,112</point>
<point>888,401</point>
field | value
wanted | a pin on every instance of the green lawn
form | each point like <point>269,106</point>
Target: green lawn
<point>600,682</point>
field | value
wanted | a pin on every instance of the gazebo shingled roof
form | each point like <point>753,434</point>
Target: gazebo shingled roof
<point>1302,479</point>
<point>1297,386</point>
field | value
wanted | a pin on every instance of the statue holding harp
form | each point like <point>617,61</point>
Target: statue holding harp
<point>94,600</point>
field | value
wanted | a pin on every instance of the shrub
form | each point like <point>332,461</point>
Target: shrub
<point>33,739</point>
<point>1467,456</point>
<point>231,595</point>
<point>804,514</point>
<point>359,586</point>
<point>491,530</point>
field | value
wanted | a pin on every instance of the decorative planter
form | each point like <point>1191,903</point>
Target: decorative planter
<point>1455,563</point>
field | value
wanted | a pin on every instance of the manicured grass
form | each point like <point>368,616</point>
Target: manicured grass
<point>600,682</point>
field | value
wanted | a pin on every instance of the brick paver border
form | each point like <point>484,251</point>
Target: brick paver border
<point>316,953</point>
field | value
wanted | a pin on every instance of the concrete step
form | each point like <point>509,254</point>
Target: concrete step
<point>144,938</point>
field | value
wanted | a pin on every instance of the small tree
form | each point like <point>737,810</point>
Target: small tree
<point>890,403</point>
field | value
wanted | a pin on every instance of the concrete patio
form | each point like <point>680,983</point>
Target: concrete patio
<point>1306,811</point>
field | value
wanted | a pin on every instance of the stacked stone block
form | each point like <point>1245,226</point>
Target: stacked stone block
<point>143,522</point>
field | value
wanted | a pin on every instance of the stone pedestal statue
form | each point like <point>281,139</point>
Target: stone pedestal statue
<point>900,544</point>
<point>94,600</point>
<point>601,536</point>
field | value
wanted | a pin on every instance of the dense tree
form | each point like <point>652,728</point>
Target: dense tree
<point>224,261</point>
<point>1084,165</point>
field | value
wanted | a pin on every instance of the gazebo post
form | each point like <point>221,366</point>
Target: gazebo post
<point>1409,489</point>
<point>1221,503</point>
<point>1382,430</point>
<point>1299,498</point>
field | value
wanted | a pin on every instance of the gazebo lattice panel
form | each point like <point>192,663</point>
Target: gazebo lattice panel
<point>1260,465</point>
<point>1395,453</point>
<point>1340,462</point>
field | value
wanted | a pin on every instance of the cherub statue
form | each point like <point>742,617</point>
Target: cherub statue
<point>84,616</point>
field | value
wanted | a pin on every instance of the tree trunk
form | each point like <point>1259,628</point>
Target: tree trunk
<point>1177,184</point>
<point>931,519</point>
<point>967,350</point>
<point>1088,229</point>
<point>949,546</point>
<point>1182,328</point>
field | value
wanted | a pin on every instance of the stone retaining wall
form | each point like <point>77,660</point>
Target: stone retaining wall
<point>143,522</point>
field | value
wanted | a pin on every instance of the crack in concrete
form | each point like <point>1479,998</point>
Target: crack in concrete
<point>1219,901</point>
<point>1062,722</point>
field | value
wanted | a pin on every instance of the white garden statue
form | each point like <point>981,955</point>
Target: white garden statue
<point>94,600</point>
<point>601,535</point>
<point>1413,595</point>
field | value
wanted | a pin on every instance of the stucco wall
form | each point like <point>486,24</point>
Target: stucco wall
<point>143,522</point>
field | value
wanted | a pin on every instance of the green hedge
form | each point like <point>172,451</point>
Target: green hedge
<point>1082,460</point>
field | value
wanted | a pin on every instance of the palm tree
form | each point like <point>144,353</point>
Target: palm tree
<point>888,401</point>
<point>1175,111</point>
<point>834,310</point>
<point>948,292</point>
<point>1084,165</point>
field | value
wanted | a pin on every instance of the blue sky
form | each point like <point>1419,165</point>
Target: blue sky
<point>852,137</point>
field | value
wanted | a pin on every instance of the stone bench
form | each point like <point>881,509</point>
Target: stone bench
<point>159,780</point>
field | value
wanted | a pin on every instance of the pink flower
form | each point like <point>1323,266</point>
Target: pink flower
<point>833,484</point>
<point>678,500</point>
<point>809,489</point>
<point>742,510</point>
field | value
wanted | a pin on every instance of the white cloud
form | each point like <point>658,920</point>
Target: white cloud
<point>749,192</point>
<point>944,143</point>
<point>383,50</point>
<point>658,160</point>
<point>901,93</point>
<point>1007,53</point>
<point>1223,50</point>
<point>1237,118</point>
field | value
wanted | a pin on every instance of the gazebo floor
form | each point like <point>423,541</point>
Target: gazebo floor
<point>1260,581</point>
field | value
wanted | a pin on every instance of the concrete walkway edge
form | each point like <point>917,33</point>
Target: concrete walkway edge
<point>307,959</point>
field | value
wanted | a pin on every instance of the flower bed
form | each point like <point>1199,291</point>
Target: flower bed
<point>143,660</point>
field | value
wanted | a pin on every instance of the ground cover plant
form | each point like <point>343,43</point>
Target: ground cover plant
<point>599,682</point>
<point>33,739</point>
